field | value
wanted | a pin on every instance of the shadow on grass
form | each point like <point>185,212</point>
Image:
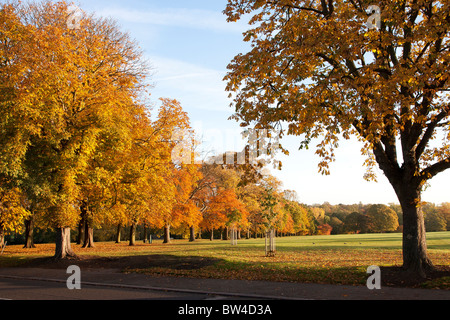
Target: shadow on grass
<point>123,263</point>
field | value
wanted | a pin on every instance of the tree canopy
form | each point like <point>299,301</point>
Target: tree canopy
<point>318,69</point>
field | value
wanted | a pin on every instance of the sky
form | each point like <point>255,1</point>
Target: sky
<point>189,45</point>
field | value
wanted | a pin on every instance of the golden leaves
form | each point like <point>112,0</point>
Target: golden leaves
<point>329,74</point>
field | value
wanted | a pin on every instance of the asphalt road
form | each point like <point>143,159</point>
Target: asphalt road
<point>19,289</point>
<point>113,285</point>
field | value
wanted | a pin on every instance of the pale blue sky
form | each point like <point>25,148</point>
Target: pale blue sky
<point>189,44</point>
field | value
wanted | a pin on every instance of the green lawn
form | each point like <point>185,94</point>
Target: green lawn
<point>340,259</point>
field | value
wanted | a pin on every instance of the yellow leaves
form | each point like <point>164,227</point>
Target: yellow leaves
<point>75,102</point>
<point>12,211</point>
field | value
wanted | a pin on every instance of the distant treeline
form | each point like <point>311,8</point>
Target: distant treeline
<point>325,219</point>
<point>364,218</point>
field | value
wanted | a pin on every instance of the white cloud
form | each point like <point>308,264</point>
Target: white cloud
<point>178,17</point>
<point>197,87</point>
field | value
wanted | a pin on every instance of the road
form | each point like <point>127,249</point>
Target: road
<point>105,284</point>
<point>19,289</point>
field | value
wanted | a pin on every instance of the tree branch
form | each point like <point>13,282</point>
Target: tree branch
<point>436,168</point>
<point>428,134</point>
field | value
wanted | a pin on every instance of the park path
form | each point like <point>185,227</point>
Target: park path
<point>252,290</point>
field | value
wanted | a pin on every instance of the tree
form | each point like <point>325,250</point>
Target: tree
<point>299,214</point>
<point>337,225</point>
<point>444,210</point>
<point>435,221</point>
<point>320,69</point>
<point>250,195</point>
<point>357,222</point>
<point>72,84</point>
<point>12,211</point>
<point>214,217</point>
<point>324,229</point>
<point>319,214</point>
<point>383,218</point>
<point>175,133</point>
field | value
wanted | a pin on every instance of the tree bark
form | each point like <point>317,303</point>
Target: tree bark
<point>119,229</point>
<point>2,237</point>
<point>166,233</point>
<point>225,234</point>
<point>415,256</point>
<point>80,235</point>
<point>407,183</point>
<point>88,236</point>
<point>145,233</point>
<point>132,234</point>
<point>212,234</point>
<point>29,230</point>
<point>63,249</point>
<point>191,234</point>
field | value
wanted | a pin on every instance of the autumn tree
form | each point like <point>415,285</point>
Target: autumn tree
<point>72,84</point>
<point>187,178</point>
<point>335,69</point>
<point>299,214</point>
<point>435,221</point>
<point>382,218</point>
<point>180,176</point>
<point>12,211</point>
<point>357,222</point>
<point>444,210</point>
<point>250,195</point>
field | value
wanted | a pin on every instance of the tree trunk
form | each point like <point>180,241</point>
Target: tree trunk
<point>63,249</point>
<point>145,233</point>
<point>225,234</point>
<point>132,234</point>
<point>212,234</point>
<point>119,229</point>
<point>88,236</point>
<point>415,256</point>
<point>2,237</point>
<point>80,235</point>
<point>167,233</point>
<point>29,230</point>
<point>407,184</point>
<point>191,234</point>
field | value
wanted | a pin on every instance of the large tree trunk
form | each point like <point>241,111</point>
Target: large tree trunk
<point>63,249</point>
<point>407,184</point>
<point>29,230</point>
<point>167,233</point>
<point>415,256</point>
<point>88,236</point>
<point>191,234</point>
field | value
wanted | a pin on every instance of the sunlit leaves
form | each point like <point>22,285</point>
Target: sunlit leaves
<point>329,75</point>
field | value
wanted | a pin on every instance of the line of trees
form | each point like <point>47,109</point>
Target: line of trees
<point>80,143</point>
<point>363,218</point>
<point>82,147</point>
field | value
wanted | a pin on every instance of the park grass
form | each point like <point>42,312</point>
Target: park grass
<point>339,259</point>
